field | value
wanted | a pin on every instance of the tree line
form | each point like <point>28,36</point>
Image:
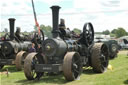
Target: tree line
<point>119,32</point>
<point>47,30</point>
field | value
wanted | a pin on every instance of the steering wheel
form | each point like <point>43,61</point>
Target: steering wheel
<point>88,34</point>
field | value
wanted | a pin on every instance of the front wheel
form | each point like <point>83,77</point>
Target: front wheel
<point>29,66</point>
<point>19,59</point>
<point>72,66</point>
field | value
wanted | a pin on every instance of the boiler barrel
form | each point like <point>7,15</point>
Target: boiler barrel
<point>54,47</point>
<point>58,47</point>
<point>10,47</point>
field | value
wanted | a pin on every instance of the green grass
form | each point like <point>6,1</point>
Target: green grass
<point>117,76</point>
<point>1,34</point>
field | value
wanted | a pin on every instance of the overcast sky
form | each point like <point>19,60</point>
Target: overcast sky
<point>104,14</point>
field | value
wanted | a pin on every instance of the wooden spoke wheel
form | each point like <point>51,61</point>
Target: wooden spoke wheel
<point>72,66</point>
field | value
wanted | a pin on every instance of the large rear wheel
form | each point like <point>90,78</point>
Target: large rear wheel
<point>99,57</point>
<point>72,66</point>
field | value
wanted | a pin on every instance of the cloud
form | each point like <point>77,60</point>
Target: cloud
<point>115,4</point>
<point>50,2</point>
<point>110,3</point>
<point>88,5</point>
<point>104,14</point>
<point>14,7</point>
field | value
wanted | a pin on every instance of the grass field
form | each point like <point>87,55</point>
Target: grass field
<point>1,34</point>
<point>117,76</point>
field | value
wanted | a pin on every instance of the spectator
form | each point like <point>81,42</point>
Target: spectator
<point>18,34</point>
<point>32,49</point>
<point>62,24</point>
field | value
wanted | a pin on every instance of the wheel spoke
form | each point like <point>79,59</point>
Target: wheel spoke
<point>33,73</point>
<point>75,70</point>
<point>77,61</point>
<point>102,58</point>
<point>102,67</point>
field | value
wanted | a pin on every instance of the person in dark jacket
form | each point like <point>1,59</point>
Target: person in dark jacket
<point>18,34</point>
<point>32,49</point>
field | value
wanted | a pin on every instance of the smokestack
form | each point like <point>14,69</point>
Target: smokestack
<point>11,23</point>
<point>55,20</point>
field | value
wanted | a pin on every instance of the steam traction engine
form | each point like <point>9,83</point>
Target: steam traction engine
<point>67,54</point>
<point>12,50</point>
